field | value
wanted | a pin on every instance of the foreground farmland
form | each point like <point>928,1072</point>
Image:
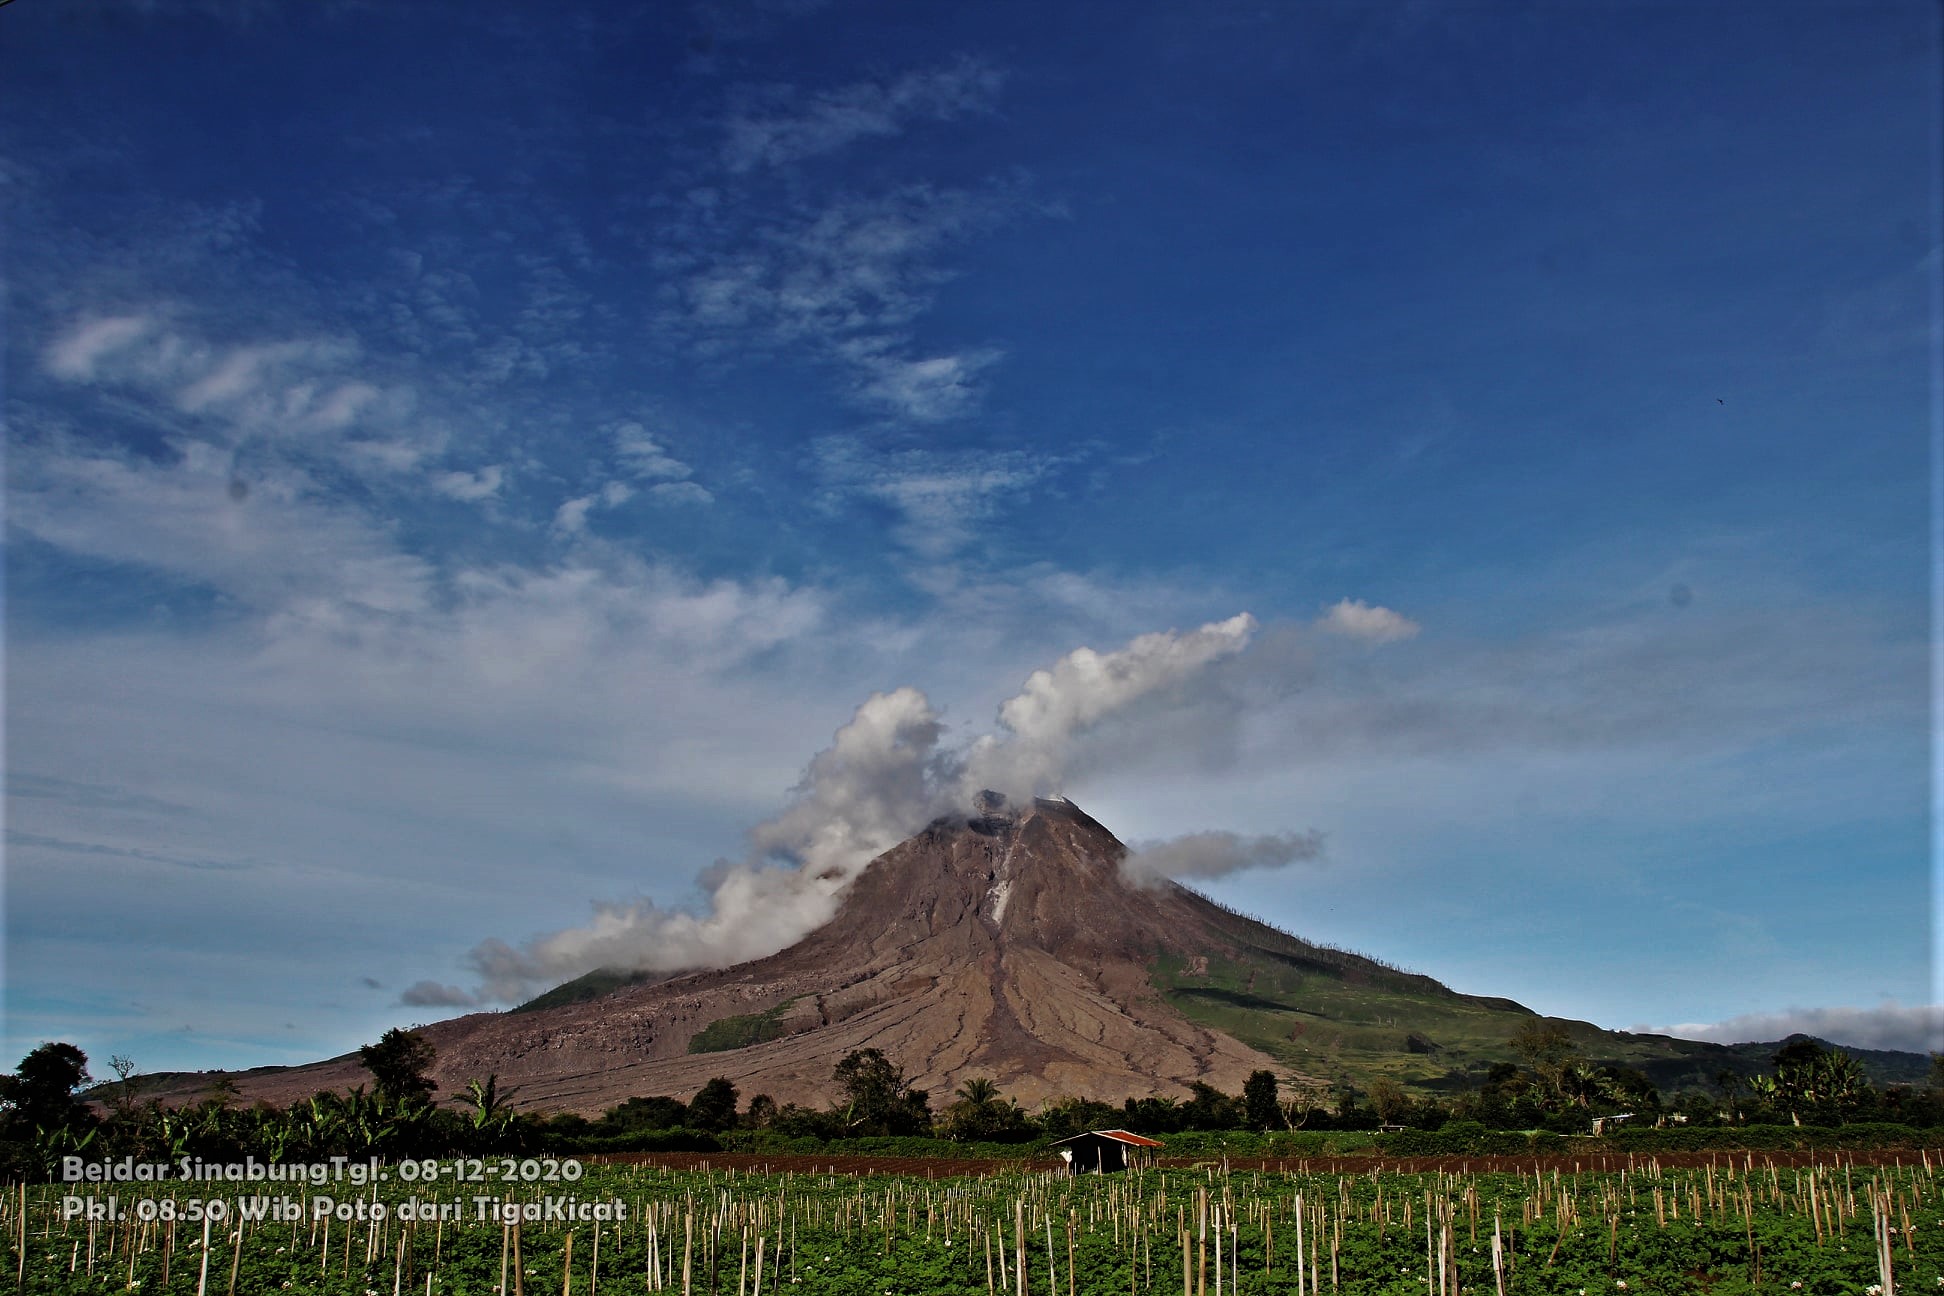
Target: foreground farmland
<point>1738,1224</point>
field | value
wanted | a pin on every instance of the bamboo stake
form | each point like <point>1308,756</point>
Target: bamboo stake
<point>202,1278</point>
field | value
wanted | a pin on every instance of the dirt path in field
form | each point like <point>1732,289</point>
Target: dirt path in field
<point>949,1167</point>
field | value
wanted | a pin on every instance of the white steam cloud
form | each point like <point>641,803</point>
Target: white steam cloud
<point>1217,854</point>
<point>1084,687</point>
<point>882,779</point>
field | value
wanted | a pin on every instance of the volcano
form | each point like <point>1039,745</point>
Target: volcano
<point>1007,945</point>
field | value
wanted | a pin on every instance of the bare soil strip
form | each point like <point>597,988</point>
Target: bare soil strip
<point>948,1167</point>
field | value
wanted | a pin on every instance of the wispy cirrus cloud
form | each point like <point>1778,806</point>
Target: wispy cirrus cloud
<point>785,127</point>
<point>313,392</point>
<point>941,498</point>
<point>842,281</point>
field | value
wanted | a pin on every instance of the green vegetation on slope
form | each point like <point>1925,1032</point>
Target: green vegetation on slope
<point>1347,1018</point>
<point>740,1031</point>
<point>591,985</point>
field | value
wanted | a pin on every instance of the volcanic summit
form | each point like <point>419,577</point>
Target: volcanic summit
<point>1008,945</point>
<point>1005,944</point>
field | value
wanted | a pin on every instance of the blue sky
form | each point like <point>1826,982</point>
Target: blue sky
<point>463,463</point>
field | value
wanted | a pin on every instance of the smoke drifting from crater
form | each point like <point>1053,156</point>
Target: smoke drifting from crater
<point>882,779</point>
<point>1217,854</point>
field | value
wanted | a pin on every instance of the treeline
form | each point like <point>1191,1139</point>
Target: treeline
<point>48,1109</point>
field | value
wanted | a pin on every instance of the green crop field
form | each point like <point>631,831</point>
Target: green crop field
<point>1739,1225</point>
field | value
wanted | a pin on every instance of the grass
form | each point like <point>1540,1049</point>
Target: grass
<point>1356,1023</point>
<point>740,1031</point>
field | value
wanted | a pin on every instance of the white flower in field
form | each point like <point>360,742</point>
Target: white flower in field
<point>1621,1284</point>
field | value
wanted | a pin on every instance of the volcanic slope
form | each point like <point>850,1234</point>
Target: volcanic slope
<point>1006,945</point>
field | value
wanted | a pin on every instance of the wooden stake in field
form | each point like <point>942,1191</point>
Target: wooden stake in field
<point>202,1279</point>
<point>1019,1245</point>
<point>1498,1256</point>
<point>1299,1244</point>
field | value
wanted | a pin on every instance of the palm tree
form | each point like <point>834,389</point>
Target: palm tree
<point>489,1105</point>
<point>979,1091</point>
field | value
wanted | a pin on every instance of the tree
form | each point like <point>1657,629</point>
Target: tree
<point>1208,1108</point>
<point>1826,1083</point>
<point>1302,1102</point>
<point>877,1097</point>
<point>714,1106</point>
<point>1259,1101</point>
<point>1547,1051</point>
<point>761,1113</point>
<point>654,1113</point>
<point>490,1106</point>
<point>398,1063</point>
<point>127,1089</point>
<point>1389,1100</point>
<point>979,1091</point>
<point>39,1095</point>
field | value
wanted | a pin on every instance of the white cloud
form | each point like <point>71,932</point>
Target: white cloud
<point>1356,619</point>
<point>681,493</point>
<point>272,544</point>
<point>643,456</point>
<point>941,498</point>
<point>1918,1028</point>
<point>308,389</point>
<point>928,390</point>
<point>838,117</point>
<point>845,284</point>
<point>78,352</point>
<point>471,486</point>
<point>571,517</point>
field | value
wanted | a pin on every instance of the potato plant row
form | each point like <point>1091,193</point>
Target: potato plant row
<point>1740,1225</point>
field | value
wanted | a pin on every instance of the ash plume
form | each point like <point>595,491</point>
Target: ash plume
<point>882,779</point>
<point>1217,854</point>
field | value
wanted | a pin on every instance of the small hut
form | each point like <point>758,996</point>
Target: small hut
<point>1101,1151</point>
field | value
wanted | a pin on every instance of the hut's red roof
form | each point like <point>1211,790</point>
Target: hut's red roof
<point>1119,1136</point>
